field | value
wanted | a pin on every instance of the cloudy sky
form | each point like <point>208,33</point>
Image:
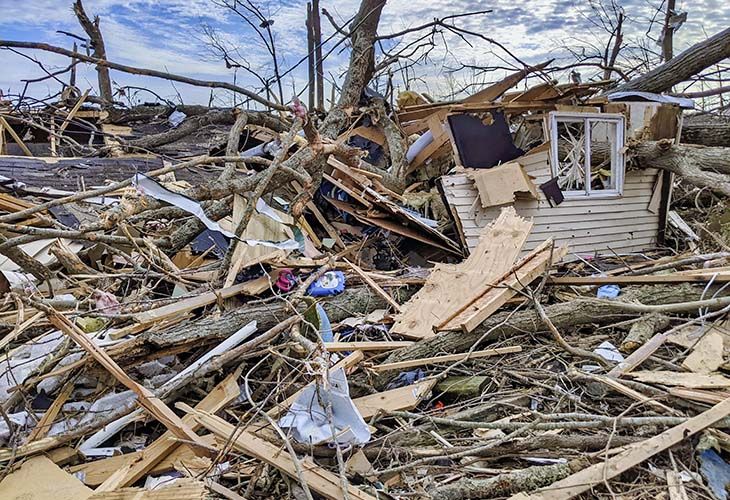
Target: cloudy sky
<point>169,35</point>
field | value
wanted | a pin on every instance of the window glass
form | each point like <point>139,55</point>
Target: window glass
<point>602,155</point>
<point>571,155</point>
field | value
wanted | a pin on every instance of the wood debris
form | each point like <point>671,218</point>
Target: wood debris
<point>495,295</point>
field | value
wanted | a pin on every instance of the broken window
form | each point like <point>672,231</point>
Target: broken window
<point>586,153</point>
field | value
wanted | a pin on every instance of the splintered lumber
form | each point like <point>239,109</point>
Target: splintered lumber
<point>450,286</point>
<point>367,346</point>
<point>14,135</point>
<point>44,424</point>
<point>96,472</point>
<point>447,359</point>
<point>146,398</point>
<point>522,274</point>
<point>182,489</point>
<point>225,392</point>
<point>497,89</point>
<point>367,279</point>
<point>402,398</point>
<point>72,113</point>
<point>682,379</point>
<point>183,306</point>
<point>40,479</point>
<point>318,479</point>
<point>633,454</point>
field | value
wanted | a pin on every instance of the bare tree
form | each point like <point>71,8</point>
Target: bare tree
<point>96,42</point>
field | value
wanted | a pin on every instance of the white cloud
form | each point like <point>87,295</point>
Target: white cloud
<point>165,35</point>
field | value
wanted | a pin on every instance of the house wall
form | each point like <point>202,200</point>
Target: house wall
<point>623,224</point>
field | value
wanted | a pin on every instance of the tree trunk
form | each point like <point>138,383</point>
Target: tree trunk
<point>563,315</point>
<point>706,134</point>
<point>690,62</point>
<point>97,42</point>
<point>703,166</point>
<point>503,485</point>
<point>362,64</point>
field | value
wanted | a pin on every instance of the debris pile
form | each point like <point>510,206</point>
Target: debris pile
<point>466,299</point>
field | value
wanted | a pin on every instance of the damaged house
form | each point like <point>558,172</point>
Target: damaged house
<point>564,167</point>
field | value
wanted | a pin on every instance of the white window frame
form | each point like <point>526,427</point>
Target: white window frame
<point>618,162</point>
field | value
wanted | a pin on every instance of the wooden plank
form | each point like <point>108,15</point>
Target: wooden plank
<point>499,351</point>
<point>494,91</point>
<point>347,190</point>
<point>366,346</point>
<point>146,398</point>
<point>367,279</point>
<point>402,398</point>
<point>628,391</point>
<point>634,454</point>
<point>97,471</point>
<point>73,111</point>
<point>182,489</point>
<point>225,392</point>
<point>450,286</point>
<point>16,138</point>
<point>389,225</point>
<point>683,379</point>
<point>185,305</point>
<point>528,269</point>
<point>318,479</point>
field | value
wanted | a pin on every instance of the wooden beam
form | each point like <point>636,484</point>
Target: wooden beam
<point>73,111</point>
<point>44,424</point>
<point>185,305</point>
<point>447,358</point>
<point>366,346</point>
<point>653,279</point>
<point>16,138</point>
<point>225,392</point>
<point>402,398</point>
<point>146,398</point>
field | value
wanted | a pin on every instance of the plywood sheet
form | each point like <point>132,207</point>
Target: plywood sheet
<point>450,286</point>
<point>40,479</point>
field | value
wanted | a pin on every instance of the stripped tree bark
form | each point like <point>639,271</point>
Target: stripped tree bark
<point>97,43</point>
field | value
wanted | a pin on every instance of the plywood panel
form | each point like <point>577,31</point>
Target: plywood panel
<point>450,286</point>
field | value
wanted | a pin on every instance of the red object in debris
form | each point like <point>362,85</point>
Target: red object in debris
<point>286,280</point>
<point>438,405</point>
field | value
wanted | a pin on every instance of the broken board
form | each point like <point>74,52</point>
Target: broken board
<point>450,287</point>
